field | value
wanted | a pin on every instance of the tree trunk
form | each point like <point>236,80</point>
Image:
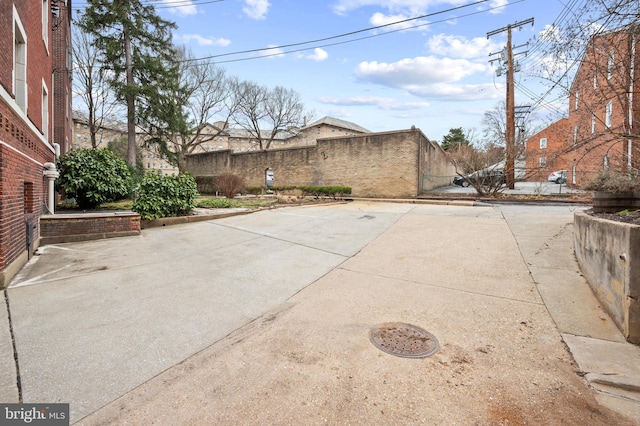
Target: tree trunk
<point>131,113</point>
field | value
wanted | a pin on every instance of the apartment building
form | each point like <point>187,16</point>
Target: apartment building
<point>601,130</point>
<point>27,150</point>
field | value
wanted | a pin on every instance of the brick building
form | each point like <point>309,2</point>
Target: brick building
<point>62,72</point>
<point>601,130</point>
<point>240,140</point>
<point>27,154</point>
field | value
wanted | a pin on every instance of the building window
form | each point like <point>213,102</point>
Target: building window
<point>19,63</point>
<point>593,123</point>
<point>45,111</point>
<point>543,143</point>
<point>575,135</point>
<point>542,161</point>
<point>577,99</point>
<point>595,80</point>
<point>607,115</point>
<point>573,174</point>
<point>610,62</point>
<point>605,162</point>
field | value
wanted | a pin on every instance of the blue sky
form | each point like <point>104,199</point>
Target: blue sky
<point>432,72</point>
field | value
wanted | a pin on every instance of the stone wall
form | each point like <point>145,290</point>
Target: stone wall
<point>608,253</point>
<point>390,164</point>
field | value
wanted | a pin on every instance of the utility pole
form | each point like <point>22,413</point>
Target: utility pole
<point>506,56</point>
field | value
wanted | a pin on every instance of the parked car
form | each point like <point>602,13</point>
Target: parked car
<point>484,177</point>
<point>559,176</point>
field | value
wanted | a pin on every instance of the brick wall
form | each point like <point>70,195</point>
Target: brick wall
<point>391,164</point>
<point>62,228</point>
<point>23,190</point>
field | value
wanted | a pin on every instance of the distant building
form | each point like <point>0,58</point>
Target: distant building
<point>602,128</point>
<point>114,131</point>
<point>241,140</point>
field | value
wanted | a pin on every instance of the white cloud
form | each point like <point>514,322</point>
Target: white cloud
<point>380,102</point>
<point>203,41</point>
<point>412,7</point>
<point>379,19</point>
<point>272,52</point>
<point>498,6</point>
<point>457,92</point>
<point>186,7</point>
<point>430,77</point>
<point>357,101</point>
<point>461,47</point>
<point>256,9</point>
<point>420,70</point>
<point>318,55</point>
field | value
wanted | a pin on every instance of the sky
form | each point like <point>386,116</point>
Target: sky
<point>433,72</point>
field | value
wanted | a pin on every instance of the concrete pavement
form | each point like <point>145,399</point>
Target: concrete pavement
<point>228,321</point>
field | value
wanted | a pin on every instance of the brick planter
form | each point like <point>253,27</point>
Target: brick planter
<point>67,228</point>
<point>608,253</point>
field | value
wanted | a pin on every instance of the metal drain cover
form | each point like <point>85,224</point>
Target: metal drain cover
<point>404,340</point>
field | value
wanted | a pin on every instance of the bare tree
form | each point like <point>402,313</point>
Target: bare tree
<point>205,93</point>
<point>90,83</point>
<point>265,113</point>
<point>476,166</point>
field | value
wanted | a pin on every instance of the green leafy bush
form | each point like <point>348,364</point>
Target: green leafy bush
<point>206,184</point>
<point>326,191</point>
<point>217,203</point>
<point>165,196</point>
<point>93,177</point>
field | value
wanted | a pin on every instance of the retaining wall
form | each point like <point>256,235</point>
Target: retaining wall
<point>608,253</point>
<point>67,228</point>
<point>390,164</point>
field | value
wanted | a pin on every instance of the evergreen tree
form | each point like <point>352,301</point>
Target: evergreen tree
<point>454,139</point>
<point>139,57</point>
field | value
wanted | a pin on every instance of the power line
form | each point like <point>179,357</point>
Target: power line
<point>339,35</point>
<point>349,41</point>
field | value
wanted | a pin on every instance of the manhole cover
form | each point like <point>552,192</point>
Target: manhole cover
<point>404,340</point>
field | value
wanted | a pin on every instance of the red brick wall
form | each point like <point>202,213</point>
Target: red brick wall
<point>21,159</point>
<point>555,153</point>
<point>22,149</point>
<point>62,91</point>
<point>79,227</point>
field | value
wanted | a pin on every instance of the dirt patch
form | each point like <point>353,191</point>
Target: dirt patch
<point>632,217</point>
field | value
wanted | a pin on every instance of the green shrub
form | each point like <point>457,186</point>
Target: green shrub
<point>217,203</point>
<point>93,177</point>
<point>165,196</point>
<point>325,191</point>
<point>254,190</point>
<point>206,184</point>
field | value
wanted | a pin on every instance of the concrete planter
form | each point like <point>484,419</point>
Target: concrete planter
<point>608,253</point>
<point>604,201</point>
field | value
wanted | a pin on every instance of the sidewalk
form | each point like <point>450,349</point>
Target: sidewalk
<point>265,318</point>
